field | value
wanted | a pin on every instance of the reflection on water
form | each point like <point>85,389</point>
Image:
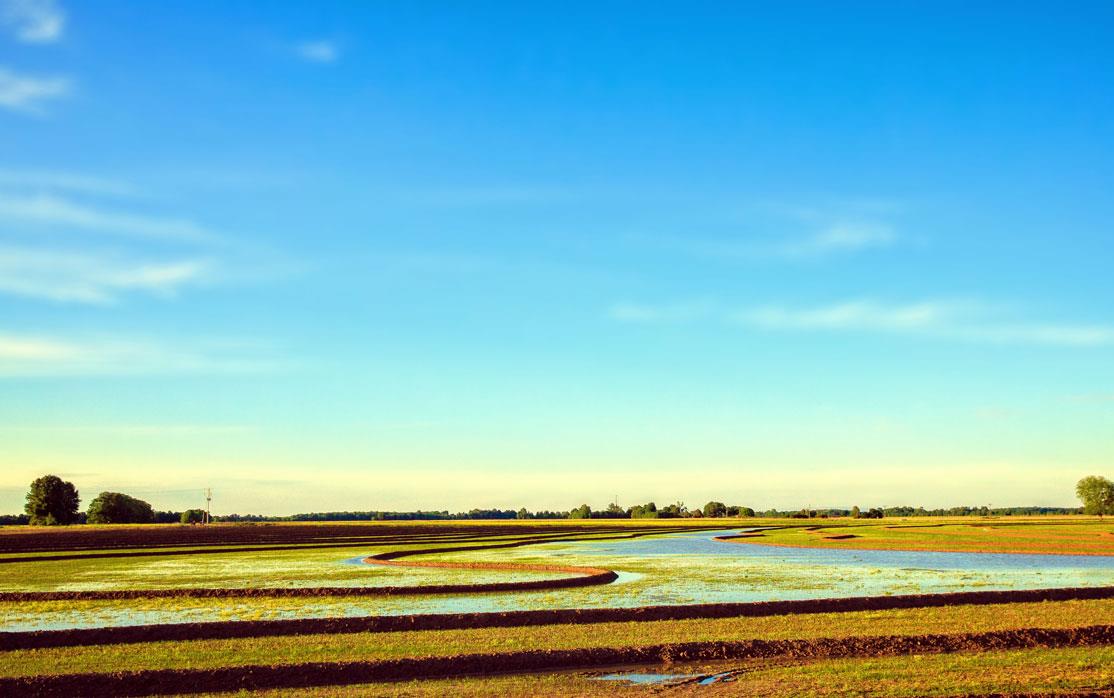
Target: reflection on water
<point>645,679</point>
<point>676,569</point>
<point>704,544</point>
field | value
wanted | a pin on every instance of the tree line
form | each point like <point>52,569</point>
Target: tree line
<point>52,501</point>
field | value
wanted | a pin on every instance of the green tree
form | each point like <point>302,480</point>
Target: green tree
<point>117,508</point>
<point>52,502</point>
<point>715,509</point>
<point>193,516</point>
<point>522,514</point>
<point>581,512</point>
<point>673,511</point>
<point>1097,495</point>
<point>855,513</point>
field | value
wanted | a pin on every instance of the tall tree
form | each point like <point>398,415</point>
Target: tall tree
<point>1097,495</point>
<point>715,509</point>
<point>52,502</point>
<point>581,512</point>
<point>117,508</point>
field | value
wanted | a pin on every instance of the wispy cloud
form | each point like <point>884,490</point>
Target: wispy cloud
<point>23,355</point>
<point>85,277</point>
<point>50,180</point>
<point>33,349</point>
<point>939,318</point>
<point>317,51</point>
<point>668,313</point>
<point>49,209</point>
<point>819,242</point>
<point>944,319</point>
<point>841,237</point>
<point>60,241</point>
<point>33,21</point>
<point>490,195</point>
<point>28,93</point>
<point>852,315</point>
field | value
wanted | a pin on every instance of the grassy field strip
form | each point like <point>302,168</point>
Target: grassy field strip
<point>258,627</point>
<point>394,645</point>
<point>1065,671</point>
<point>1087,537</point>
<point>249,677</point>
<point>147,551</point>
<point>587,576</point>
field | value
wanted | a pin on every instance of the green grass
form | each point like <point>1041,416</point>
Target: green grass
<point>654,579</point>
<point>1067,671</point>
<point>1047,535</point>
<point>366,646</point>
<point>659,579</point>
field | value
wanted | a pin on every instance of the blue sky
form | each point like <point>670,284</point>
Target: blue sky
<point>392,256</point>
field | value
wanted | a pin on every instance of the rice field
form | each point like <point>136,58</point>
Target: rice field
<point>308,609</point>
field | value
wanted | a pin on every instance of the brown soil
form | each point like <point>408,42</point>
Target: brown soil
<point>507,619</point>
<point>177,681</point>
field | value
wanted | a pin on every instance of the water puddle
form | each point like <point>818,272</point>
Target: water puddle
<point>644,679</point>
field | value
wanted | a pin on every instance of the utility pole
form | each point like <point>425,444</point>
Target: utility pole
<point>208,500</point>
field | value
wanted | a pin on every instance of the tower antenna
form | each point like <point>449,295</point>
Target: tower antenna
<point>208,500</point>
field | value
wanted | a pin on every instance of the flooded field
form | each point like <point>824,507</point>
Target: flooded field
<point>677,568</point>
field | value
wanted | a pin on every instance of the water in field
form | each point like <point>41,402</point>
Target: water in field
<point>674,569</point>
<point>695,568</point>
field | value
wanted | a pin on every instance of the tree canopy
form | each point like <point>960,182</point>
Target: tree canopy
<point>192,516</point>
<point>581,512</point>
<point>1097,495</point>
<point>52,502</point>
<point>715,509</point>
<point>118,508</point>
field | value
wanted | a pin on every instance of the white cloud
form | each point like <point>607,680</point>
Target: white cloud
<point>24,355</point>
<point>25,93</point>
<point>853,315</point>
<point>32,349</point>
<point>318,51</point>
<point>493,195</point>
<point>843,237</point>
<point>1063,335</point>
<point>58,242</point>
<point>646,313</point>
<point>945,319</point>
<point>33,21</point>
<point>823,241</point>
<point>941,319</point>
<point>64,181</point>
<point>47,209</point>
<point>92,278</point>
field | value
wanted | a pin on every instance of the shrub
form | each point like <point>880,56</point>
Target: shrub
<point>117,508</point>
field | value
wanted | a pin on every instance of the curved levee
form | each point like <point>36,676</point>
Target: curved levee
<point>583,576</point>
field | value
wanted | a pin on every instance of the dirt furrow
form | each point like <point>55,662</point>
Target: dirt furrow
<point>178,681</point>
